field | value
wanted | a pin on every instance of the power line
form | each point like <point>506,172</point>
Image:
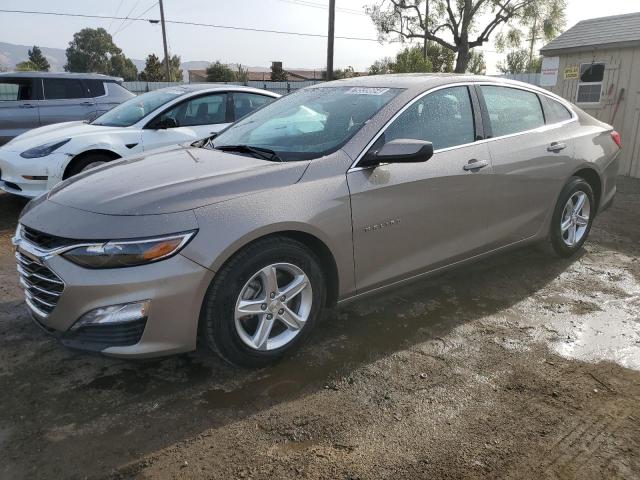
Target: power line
<point>184,22</point>
<point>139,17</point>
<point>117,10</point>
<point>127,16</point>
<point>321,6</point>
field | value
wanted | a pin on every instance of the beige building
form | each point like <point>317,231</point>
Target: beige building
<point>596,65</point>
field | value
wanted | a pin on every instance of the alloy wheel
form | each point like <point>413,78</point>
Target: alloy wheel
<point>273,306</point>
<point>575,218</point>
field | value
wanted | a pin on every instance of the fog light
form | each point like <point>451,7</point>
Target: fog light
<point>113,315</point>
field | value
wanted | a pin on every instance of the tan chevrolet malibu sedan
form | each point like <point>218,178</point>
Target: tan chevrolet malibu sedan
<point>329,194</point>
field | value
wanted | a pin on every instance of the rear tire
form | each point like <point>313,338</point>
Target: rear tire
<point>572,217</point>
<point>245,284</point>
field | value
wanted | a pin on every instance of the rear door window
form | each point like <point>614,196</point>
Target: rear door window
<point>63,88</point>
<point>245,103</point>
<point>511,110</point>
<point>95,87</point>
<point>17,89</point>
<point>444,118</point>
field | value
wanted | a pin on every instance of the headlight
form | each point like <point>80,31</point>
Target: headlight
<point>128,253</point>
<point>43,150</point>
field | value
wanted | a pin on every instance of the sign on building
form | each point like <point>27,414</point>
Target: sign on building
<point>572,73</point>
<point>550,66</point>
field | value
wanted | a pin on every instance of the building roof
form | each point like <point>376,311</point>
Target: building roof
<point>87,76</point>
<point>619,31</point>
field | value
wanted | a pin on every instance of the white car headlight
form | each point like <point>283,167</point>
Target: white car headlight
<point>43,150</point>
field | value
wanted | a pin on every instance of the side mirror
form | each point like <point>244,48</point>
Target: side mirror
<point>165,123</point>
<point>399,151</point>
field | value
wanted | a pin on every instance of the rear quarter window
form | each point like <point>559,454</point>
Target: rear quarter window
<point>511,110</point>
<point>555,112</point>
<point>16,89</point>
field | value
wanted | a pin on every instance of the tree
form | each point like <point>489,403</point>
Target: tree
<point>242,74</point>
<point>90,51</point>
<point>516,62</point>
<point>26,66</point>
<point>121,66</point>
<point>153,69</point>
<point>174,68</point>
<point>477,65</point>
<point>277,72</point>
<point>38,60</point>
<point>348,72</point>
<point>542,21</point>
<point>218,72</point>
<point>411,59</point>
<point>441,58</point>
<point>381,67</point>
<point>459,25</point>
<point>93,50</point>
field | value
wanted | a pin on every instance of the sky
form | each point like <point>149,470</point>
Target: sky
<point>138,39</point>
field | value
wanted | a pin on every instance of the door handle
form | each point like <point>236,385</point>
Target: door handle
<point>27,105</point>
<point>87,103</point>
<point>475,165</point>
<point>556,147</point>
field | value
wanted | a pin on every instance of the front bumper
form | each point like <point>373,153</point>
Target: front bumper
<point>14,168</point>
<point>175,288</point>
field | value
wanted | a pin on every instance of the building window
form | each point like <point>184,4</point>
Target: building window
<point>590,84</point>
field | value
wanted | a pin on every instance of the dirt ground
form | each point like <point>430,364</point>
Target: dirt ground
<point>521,366</point>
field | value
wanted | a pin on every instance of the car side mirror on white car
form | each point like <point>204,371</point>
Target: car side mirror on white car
<point>401,150</point>
<point>166,123</point>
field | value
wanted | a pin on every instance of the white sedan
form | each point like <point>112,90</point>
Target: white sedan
<point>35,161</point>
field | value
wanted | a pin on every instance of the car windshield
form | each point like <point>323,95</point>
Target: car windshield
<point>135,109</point>
<point>307,124</point>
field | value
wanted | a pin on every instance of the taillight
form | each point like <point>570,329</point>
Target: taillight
<point>617,138</point>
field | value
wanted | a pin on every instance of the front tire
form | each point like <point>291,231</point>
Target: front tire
<point>87,162</point>
<point>263,303</point>
<point>572,217</point>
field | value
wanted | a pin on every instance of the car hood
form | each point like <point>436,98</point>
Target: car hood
<point>169,181</point>
<point>57,131</point>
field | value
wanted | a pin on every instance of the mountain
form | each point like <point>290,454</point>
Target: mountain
<point>12,54</point>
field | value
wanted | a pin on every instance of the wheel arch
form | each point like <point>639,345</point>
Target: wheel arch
<point>310,240</point>
<point>82,155</point>
<point>593,178</point>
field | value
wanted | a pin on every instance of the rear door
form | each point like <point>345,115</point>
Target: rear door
<point>529,156</point>
<point>414,217</point>
<point>195,118</point>
<point>65,100</point>
<point>18,106</point>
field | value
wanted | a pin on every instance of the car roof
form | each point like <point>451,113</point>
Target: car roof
<point>421,81</point>
<point>213,87</point>
<point>87,76</point>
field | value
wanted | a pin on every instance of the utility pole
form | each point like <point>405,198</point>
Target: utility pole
<point>164,43</point>
<point>425,48</point>
<point>332,22</point>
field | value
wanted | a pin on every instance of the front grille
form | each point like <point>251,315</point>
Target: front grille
<point>45,241</point>
<point>103,336</point>
<point>42,287</point>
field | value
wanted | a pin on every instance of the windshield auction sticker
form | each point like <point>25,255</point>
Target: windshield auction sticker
<point>366,91</point>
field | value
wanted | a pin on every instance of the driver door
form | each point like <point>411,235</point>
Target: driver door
<point>188,121</point>
<point>409,218</point>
